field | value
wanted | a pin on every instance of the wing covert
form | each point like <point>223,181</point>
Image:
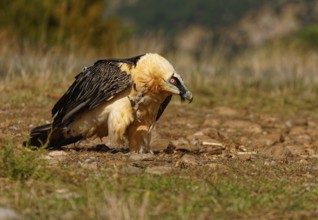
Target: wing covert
<point>95,84</point>
<point>163,106</point>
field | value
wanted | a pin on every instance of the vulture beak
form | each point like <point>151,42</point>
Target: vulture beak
<point>187,96</point>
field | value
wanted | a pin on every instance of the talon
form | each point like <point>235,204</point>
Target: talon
<point>141,150</point>
<point>138,114</point>
<point>132,102</point>
<point>141,100</point>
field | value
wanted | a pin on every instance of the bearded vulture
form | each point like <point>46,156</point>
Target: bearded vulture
<point>119,98</point>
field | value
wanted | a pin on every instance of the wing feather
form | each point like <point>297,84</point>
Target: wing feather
<point>95,84</point>
<point>163,106</point>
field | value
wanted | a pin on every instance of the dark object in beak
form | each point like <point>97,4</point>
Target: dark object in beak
<point>186,96</point>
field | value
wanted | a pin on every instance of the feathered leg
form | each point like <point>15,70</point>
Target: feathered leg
<point>139,139</point>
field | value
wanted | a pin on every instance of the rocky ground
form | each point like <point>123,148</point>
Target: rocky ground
<point>184,136</point>
<point>209,162</point>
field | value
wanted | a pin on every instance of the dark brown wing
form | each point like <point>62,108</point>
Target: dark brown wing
<point>163,106</point>
<point>95,84</point>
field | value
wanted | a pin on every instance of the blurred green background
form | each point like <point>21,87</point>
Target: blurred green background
<point>187,25</point>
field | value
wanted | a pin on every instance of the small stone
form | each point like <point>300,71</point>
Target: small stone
<point>199,133</point>
<point>245,155</point>
<point>310,151</point>
<point>159,143</point>
<point>211,142</point>
<point>189,125</point>
<point>189,159</point>
<point>242,148</point>
<point>295,131</point>
<point>302,139</point>
<point>297,122</point>
<point>215,150</point>
<point>89,165</point>
<point>90,160</point>
<point>211,122</point>
<point>13,127</point>
<point>194,142</point>
<point>66,194</point>
<point>266,140</point>
<point>270,163</point>
<point>278,152</point>
<point>273,163</point>
<point>8,214</point>
<point>57,153</point>
<point>210,132</point>
<point>296,150</point>
<point>289,124</point>
<point>158,170</point>
<point>180,142</point>
<point>141,157</point>
<point>46,157</point>
<point>244,126</point>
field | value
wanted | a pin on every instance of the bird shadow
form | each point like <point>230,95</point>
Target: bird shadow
<point>170,149</point>
<point>99,148</point>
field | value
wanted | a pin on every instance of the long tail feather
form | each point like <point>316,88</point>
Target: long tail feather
<point>43,136</point>
<point>39,136</point>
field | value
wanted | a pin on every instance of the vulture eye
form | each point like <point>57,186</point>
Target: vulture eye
<point>173,80</point>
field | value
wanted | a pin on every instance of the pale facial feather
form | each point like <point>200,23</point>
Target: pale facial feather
<point>154,71</point>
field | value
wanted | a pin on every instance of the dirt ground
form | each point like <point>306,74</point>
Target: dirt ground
<point>254,166</point>
<point>184,135</point>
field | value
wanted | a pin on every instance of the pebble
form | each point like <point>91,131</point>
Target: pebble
<point>188,159</point>
<point>242,148</point>
<point>158,170</point>
<point>57,153</point>
<point>180,142</point>
<point>278,152</point>
<point>66,194</point>
<point>264,140</point>
<point>159,143</point>
<point>211,122</point>
<point>142,157</point>
<point>198,133</point>
<point>215,150</point>
<point>90,165</point>
<point>310,151</point>
<point>244,157</point>
<point>245,126</point>
<point>295,131</point>
<point>8,214</point>
<point>302,139</point>
<point>247,153</point>
<point>295,150</point>
<point>211,142</point>
<point>270,163</point>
